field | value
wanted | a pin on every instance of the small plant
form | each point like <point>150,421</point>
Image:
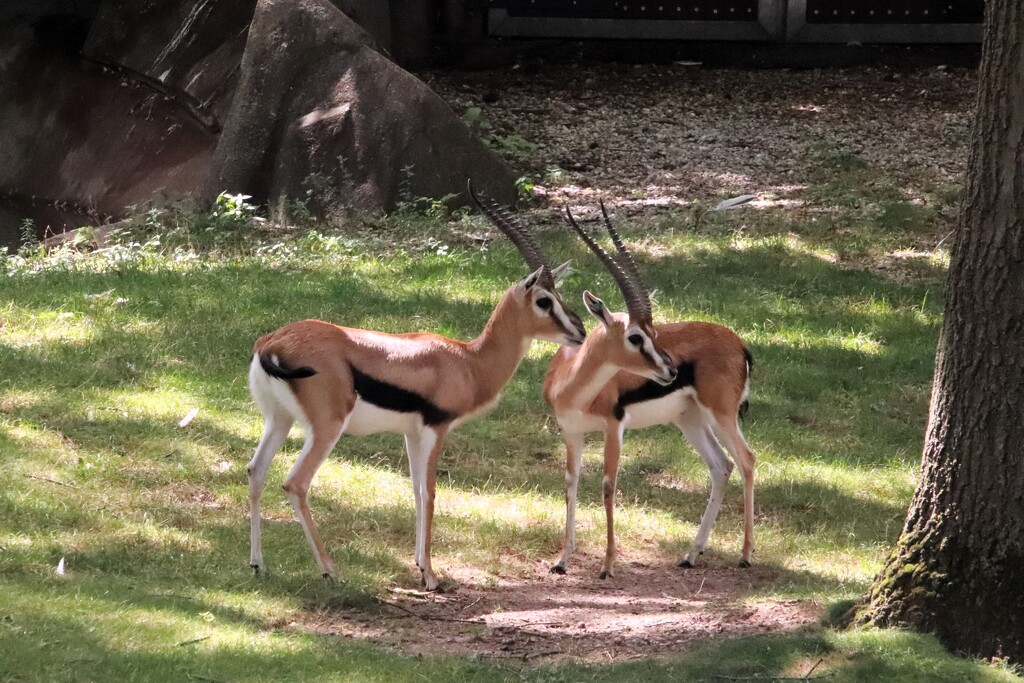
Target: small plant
<point>406,201</point>
<point>231,213</point>
<point>477,124</point>
<point>511,145</point>
<point>834,156</point>
<point>525,188</point>
<point>29,239</point>
<point>555,175</point>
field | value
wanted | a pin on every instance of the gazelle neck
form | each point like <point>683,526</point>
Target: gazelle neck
<point>497,352</point>
<point>588,372</point>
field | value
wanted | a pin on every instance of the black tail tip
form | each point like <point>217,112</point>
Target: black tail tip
<point>273,367</point>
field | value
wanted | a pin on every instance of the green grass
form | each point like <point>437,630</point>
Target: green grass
<point>101,355</point>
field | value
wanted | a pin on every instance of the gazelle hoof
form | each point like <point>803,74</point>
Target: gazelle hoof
<point>606,575</point>
<point>557,569</point>
<point>685,563</point>
<point>329,577</point>
<point>257,570</point>
<point>429,581</point>
<point>744,564</point>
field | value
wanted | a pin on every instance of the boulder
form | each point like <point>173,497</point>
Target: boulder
<point>264,97</point>
<point>315,101</point>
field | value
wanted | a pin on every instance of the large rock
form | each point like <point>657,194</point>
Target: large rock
<point>316,101</point>
<point>266,97</point>
<point>72,131</point>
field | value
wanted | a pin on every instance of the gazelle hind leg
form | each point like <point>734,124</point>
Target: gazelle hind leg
<point>274,434</point>
<point>727,429</point>
<point>320,441</point>
<point>719,466</point>
<point>573,463</point>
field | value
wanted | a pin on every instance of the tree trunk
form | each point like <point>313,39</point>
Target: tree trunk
<point>958,567</point>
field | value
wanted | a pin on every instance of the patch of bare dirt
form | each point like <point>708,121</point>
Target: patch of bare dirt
<point>650,137</point>
<point>649,609</point>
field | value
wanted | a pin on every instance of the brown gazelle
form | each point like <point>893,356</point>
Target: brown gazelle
<point>631,374</point>
<point>336,380</point>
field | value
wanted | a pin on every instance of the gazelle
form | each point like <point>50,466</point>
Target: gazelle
<point>338,380</point>
<point>631,374</point>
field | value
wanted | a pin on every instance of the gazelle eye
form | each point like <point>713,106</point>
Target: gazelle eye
<point>636,339</point>
<point>544,303</point>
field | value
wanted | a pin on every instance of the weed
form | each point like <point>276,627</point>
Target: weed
<point>509,145</point>
<point>29,238</point>
<point>525,188</point>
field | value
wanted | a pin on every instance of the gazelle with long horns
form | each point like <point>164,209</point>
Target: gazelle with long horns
<point>630,374</point>
<point>337,380</point>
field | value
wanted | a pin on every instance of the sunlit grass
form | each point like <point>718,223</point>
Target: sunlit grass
<point>102,357</point>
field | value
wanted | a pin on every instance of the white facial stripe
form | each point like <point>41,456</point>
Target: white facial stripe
<point>653,354</point>
<point>557,311</point>
<point>648,350</point>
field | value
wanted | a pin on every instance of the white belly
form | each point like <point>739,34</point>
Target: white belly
<point>664,410</point>
<point>579,422</point>
<point>369,419</point>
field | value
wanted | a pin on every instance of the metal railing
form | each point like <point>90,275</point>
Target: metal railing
<point>797,21</point>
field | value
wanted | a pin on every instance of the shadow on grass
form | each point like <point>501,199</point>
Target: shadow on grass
<point>174,637</point>
<point>843,362</point>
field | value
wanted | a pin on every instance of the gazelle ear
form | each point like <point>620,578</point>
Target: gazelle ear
<point>561,272</point>
<point>597,308</point>
<point>530,280</point>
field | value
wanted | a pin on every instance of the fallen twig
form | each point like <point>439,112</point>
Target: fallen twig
<point>429,617</point>
<point>811,670</point>
<point>471,604</point>
<point>192,642</point>
<point>770,679</point>
<point>545,653</point>
<point>411,592</point>
<point>50,481</point>
<point>200,677</point>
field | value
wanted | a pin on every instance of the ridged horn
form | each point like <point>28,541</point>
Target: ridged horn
<point>634,299</point>
<point>642,291</point>
<point>514,229</point>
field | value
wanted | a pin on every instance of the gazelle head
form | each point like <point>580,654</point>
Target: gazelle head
<point>544,313</point>
<point>627,340</point>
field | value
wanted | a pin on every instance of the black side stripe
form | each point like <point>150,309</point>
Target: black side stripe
<point>390,397</point>
<point>281,371</point>
<point>650,390</point>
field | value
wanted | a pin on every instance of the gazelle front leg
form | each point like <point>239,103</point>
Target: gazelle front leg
<point>320,441</point>
<point>612,450</point>
<point>423,448</point>
<point>573,464</point>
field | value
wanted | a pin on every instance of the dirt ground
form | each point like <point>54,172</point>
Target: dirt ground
<point>650,608</point>
<point>649,139</point>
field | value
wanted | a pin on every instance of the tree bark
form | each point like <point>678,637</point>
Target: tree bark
<point>958,567</point>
